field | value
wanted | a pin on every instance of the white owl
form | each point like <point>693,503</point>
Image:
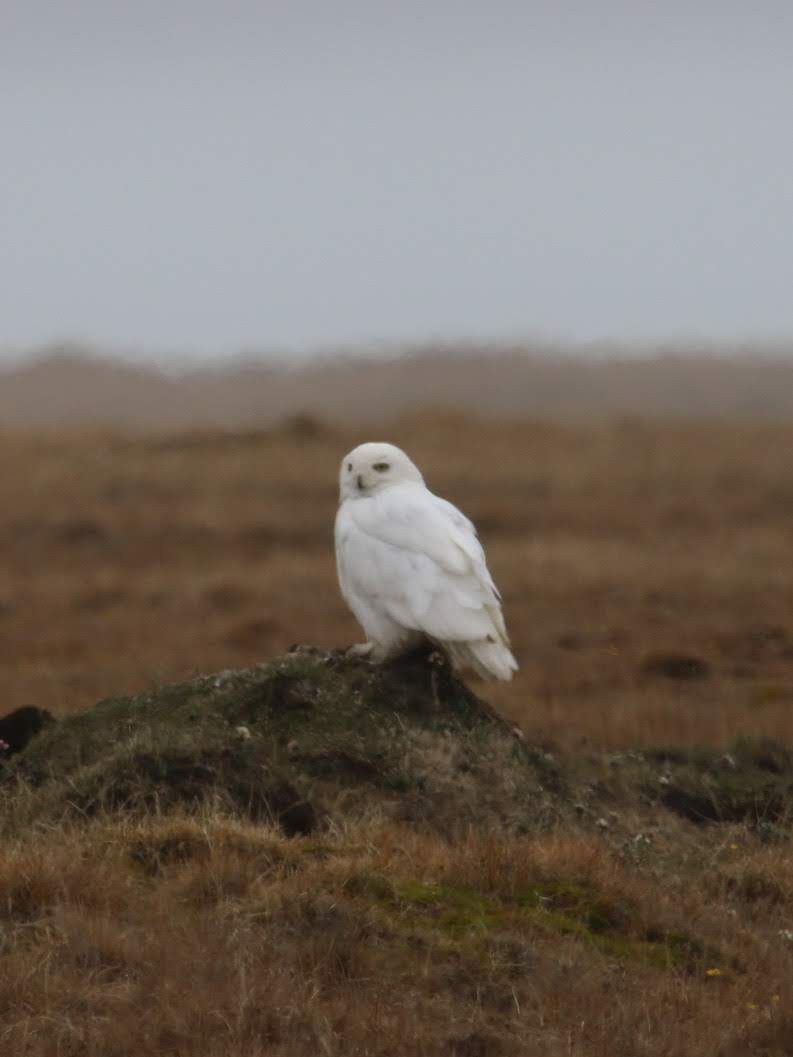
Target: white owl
<point>411,568</point>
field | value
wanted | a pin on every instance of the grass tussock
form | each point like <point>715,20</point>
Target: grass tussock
<point>207,935</point>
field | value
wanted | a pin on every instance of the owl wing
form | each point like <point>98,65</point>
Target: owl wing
<point>417,557</point>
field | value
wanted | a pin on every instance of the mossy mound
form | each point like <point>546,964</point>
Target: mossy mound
<point>310,737</point>
<point>752,782</point>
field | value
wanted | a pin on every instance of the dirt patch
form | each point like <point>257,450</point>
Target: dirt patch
<point>682,667</point>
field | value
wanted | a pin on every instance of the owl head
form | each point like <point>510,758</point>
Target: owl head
<point>370,468</point>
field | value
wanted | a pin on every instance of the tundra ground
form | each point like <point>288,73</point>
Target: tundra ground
<point>648,588</point>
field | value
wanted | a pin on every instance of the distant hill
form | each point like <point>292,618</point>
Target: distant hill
<point>73,388</point>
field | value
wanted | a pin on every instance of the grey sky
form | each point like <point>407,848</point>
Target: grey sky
<point>209,177</point>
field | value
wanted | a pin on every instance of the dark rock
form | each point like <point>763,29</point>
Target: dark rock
<point>21,726</point>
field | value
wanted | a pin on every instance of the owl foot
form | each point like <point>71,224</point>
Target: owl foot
<point>369,651</point>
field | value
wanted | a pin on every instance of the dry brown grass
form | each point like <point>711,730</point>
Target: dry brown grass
<point>134,561</point>
<point>209,936</point>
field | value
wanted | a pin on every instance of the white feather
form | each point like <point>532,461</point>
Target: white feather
<point>411,567</point>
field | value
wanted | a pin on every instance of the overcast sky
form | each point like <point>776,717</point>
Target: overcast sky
<point>210,177</point>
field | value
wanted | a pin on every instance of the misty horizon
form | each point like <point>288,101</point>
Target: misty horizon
<point>173,361</point>
<point>207,181</point>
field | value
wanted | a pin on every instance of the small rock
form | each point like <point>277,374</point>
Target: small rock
<point>242,733</point>
<point>602,823</point>
<point>292,746</point>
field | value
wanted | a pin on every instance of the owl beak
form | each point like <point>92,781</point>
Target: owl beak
<point>359,481</point>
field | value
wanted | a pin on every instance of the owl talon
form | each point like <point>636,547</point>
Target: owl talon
<point>366,651</point>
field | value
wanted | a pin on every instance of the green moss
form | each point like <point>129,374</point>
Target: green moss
<point>453,910</point>
<point>460,913</point>
<point>578,902</point>
<point>371,886</point>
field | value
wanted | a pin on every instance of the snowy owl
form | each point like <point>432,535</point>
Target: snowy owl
<point>411,568</point>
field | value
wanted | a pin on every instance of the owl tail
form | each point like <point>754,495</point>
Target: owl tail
<point>490,660</point>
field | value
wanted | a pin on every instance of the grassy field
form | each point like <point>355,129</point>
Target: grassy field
<point>648,588</point>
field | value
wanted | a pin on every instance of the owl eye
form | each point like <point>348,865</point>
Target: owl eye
<point>381,467</point>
